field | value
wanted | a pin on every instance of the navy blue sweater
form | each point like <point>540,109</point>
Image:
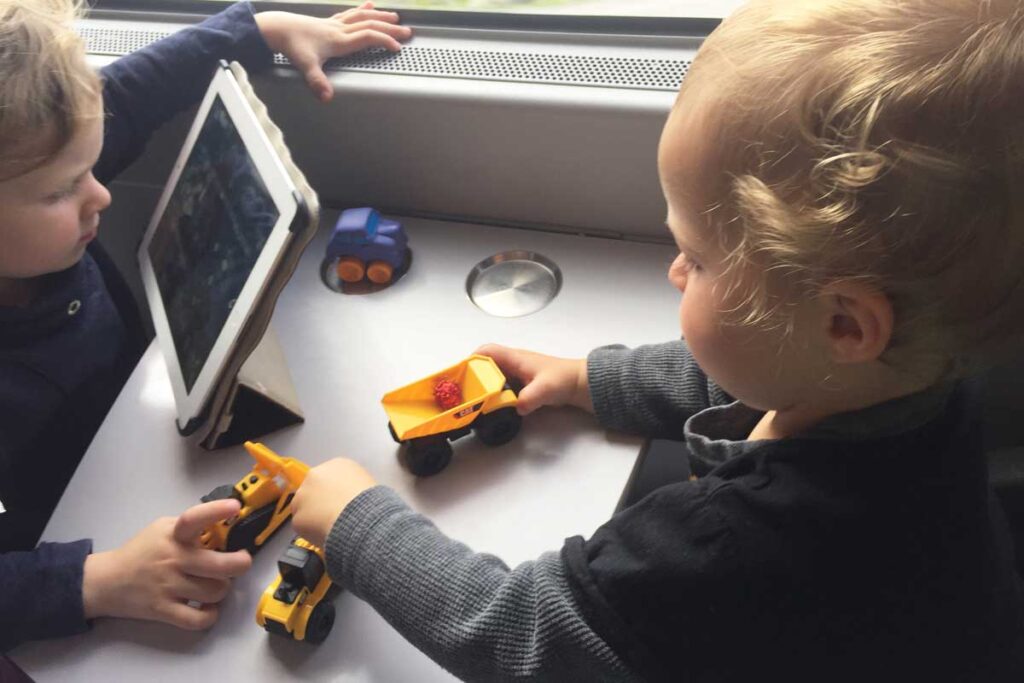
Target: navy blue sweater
<point>64,359</point>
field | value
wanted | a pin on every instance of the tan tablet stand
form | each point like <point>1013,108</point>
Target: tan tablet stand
<point>261,399</point>
<point>255,394</point>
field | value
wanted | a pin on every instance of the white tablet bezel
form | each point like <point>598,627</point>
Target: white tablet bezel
<point>191,404</point>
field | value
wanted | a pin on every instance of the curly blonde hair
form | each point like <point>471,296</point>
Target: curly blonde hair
<point>47,88</point>
<point>875,141</point>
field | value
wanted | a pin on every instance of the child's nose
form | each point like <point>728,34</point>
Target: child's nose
<point>99,197</point>
<point>677,274</point>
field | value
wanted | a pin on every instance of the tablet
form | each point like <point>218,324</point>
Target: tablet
<point>221,226</point>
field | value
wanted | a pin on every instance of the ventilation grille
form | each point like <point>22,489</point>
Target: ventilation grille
<point>615,72</point>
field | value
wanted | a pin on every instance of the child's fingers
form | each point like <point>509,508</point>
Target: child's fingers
<point>192,522</point>
<point>365,39</point>
<point>212,564</point>
<point>318,82</point>
<point>189,618</point>
<point>363,13</point>
<point>533,396</point>
<point>396,31</point>
<point>492,350</point>
<point>512,362</point>
<point>199,589</point>
<point>353,16</point>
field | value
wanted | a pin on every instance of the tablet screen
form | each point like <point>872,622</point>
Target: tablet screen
<point>212,231</point>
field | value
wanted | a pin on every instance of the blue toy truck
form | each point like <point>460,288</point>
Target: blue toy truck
<point>364,245</point>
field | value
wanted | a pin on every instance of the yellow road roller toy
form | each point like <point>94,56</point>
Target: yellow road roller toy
<point>425,416</point>
<point>297,603</point>
<point>266,496</point>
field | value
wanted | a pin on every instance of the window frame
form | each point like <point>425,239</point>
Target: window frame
<point>503,119</point>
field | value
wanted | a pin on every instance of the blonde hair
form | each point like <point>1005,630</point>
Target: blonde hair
<point>46,87</point>
<point>873,141</point>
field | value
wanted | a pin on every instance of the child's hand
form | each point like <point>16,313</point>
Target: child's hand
<point>549,381</point>
<point>323,496</point>
<point>308,41</point>
<point>154,575</point>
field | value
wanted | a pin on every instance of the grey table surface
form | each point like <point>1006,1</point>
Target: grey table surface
<point>562,476</point>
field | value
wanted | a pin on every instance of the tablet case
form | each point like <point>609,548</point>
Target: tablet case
<point>258,400</point>
<point>254,394</point>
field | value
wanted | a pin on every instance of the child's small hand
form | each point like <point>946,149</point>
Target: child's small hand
<point>328,489</point>
<point>548,381</point>
<point>308,41</point>
<point>155,574</point>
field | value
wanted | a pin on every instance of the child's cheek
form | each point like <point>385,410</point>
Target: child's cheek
<point>698,324</point>
<point>690,324</point>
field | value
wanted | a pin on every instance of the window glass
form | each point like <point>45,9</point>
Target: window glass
<point>629,8</point>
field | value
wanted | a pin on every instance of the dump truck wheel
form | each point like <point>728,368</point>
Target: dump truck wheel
<point>321,621</point>
<point>426,456</point>
<point>498,427</point>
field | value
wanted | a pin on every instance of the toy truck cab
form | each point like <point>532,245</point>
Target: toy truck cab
<point>296,603</point>
<point>487,407</point>
<point>364,244</point>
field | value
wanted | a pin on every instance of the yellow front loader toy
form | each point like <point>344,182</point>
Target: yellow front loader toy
<point>266,496</point>
<point>296,603</point>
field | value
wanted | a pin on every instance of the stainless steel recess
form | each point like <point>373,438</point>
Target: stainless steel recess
<point>513,283</point>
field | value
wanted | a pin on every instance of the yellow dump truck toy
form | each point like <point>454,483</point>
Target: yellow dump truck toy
<point>297,603</point>
<point>425,416</point>
<point>266,496</point>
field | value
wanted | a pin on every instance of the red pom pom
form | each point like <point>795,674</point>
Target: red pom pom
<point>447,394</point>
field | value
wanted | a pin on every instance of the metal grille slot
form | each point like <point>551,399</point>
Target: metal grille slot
<point>659,74</point>
<point>110,41</point>
<point>529,67</point>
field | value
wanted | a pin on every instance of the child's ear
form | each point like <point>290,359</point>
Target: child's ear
<point>859,324</point>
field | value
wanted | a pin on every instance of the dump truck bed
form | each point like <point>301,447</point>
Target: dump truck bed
<point>413,412</point>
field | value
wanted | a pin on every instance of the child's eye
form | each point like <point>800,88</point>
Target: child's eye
<point>58,196</point>
<point>685,264</point>
<point>62,194</point>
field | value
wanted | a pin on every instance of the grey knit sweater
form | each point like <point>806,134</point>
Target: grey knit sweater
<point>469,611</point>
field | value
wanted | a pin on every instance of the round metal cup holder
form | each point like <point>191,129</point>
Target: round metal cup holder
<point>513,283</point>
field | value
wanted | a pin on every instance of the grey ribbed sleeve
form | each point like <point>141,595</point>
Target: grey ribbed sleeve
<point>649,390</point>
<point>467,611</point>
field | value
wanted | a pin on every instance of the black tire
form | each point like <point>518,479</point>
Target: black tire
<point>499,427</point>
<point>277,628</point>
<point>320,623</point>
<point>426,456</point>
<point>243,534</point>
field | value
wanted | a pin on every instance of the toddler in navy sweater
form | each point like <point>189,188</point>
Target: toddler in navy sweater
<point>69,334</point>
